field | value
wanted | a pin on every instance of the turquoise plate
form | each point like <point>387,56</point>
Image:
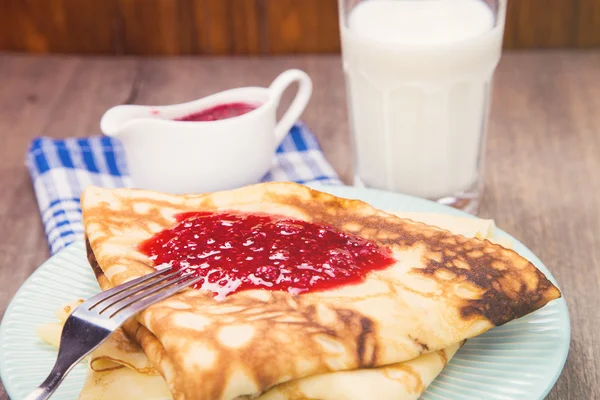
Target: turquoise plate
<point>520,360</point>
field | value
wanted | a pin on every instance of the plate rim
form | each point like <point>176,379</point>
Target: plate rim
<point>353,192</point>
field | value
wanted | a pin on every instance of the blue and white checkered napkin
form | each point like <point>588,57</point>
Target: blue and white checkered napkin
<point>61,169</point>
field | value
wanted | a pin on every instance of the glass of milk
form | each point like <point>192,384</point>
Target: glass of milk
<point>418,79</point>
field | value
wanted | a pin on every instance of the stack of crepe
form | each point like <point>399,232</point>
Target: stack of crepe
<point>387,337</point>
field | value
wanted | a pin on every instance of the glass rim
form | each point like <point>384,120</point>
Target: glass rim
<point>499,23</point>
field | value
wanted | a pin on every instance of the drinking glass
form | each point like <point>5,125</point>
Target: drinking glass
<point>418,83</point>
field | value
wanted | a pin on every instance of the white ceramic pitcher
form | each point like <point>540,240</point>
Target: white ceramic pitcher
<point>196,157</point>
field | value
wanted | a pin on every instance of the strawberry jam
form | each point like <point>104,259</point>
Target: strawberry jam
<point>238,251</point>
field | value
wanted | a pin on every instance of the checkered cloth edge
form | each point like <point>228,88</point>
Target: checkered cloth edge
<point>61,168</point>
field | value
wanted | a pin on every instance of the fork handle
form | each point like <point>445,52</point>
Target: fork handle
<point>66,360</point>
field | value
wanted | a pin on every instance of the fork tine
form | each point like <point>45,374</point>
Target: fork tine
<point>142,294</point>
<point>135,289</point>
<point>107,294</point>
<point>137,306</point>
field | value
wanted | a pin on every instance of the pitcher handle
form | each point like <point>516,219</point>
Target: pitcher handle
<point>298,104</point>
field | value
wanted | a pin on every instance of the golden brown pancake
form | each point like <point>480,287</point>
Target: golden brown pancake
<point>119,369</point>
<point>443,288</point>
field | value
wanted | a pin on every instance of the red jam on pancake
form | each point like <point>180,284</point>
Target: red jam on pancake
<point>237,251</point>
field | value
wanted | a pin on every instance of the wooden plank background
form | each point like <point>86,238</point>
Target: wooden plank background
<point>171,27</point>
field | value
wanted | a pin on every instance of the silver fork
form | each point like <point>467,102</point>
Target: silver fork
<point>92,322</point>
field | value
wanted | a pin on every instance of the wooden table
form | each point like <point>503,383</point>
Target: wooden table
<point>542,174</point>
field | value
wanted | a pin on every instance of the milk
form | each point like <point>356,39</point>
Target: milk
<point>419,75</point>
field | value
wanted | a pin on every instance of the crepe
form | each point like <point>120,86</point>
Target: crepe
<point>442,289</point>
<point>120,379</point>
<point>119,369</point>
